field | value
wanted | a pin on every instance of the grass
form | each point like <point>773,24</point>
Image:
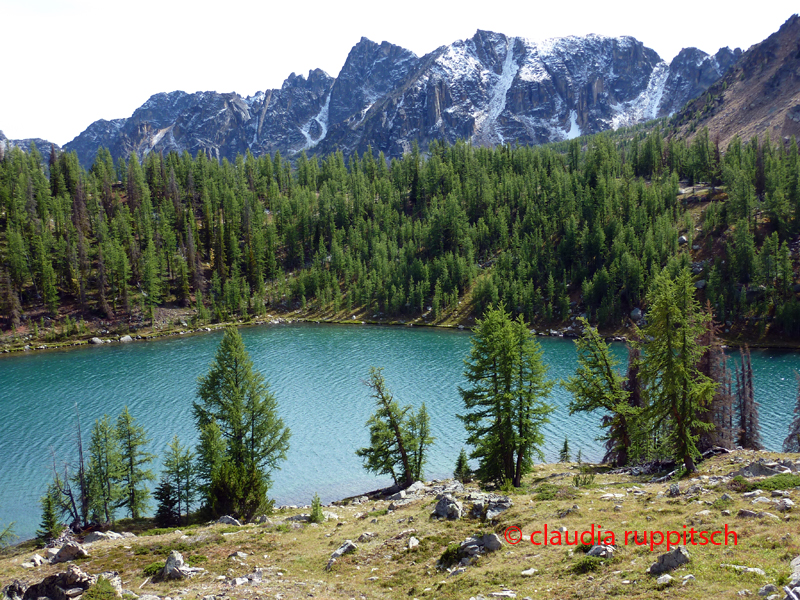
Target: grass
<point>301,553</point>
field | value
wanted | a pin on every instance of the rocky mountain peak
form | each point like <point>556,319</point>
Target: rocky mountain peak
<point>489,89</point>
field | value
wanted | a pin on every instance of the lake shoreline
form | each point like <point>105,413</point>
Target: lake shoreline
<point>292,317</point>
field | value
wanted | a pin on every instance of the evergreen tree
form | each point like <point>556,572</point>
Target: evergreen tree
<point>50,528</point>
<point>676,391</point>
<point>168,511</point>
<point>316,510</point>
<point>462,471</point>
<point>564,455</point>
<point>133,459</point>
<point>792,441</point>
<point>504,407</point>
<point>242,437</point>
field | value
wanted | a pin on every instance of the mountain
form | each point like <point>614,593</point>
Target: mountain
<point>43,146</point>
<point>760,94</point>
<point>488,89</point>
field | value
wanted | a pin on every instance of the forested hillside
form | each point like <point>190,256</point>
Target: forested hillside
<point>552,232</point>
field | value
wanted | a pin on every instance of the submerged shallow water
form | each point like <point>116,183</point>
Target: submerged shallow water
<point>316,372</point>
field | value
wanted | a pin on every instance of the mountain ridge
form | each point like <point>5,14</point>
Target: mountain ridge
<point>489,89</point>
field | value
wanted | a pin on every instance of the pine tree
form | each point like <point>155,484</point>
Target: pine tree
<point>133,458</point>
<point>676,391</point>
<point>564,455</point>
<point>504,407</point>
<point>242,437</point>
<point>462,471</point>
<point>720,412</point>
<point>792,441</point>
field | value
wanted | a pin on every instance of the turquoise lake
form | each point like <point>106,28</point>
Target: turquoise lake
<point>317,373</point>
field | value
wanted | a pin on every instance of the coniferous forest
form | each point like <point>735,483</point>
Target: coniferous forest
<point>579,227</point>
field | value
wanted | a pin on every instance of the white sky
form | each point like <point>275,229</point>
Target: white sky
<point>67,63</point>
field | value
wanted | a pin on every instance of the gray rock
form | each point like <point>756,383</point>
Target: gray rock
<point>38,560</point>
<point>664,580</point>
<point>398,496</point>
<point>492,542</point>
<point>746,514</point>
<point>346,548</point>
<point>239,555</point>
<point>757,469</point>
<point>784,505</point>
<point>767,590</point>
<point>674,490</point>
<point>671,560</point>
<point>529,572</point>
<point>415,487</point>
<point>682,241</point>
<point>496,507</point>
<point>125,339</point>
<point>448,508</point>
<point>412,542</point>
<point>55,587</point>
<point>366,536</point>
<point>700,284</point>
<point>176,568</point>
<point>70,551</point>
<point>744,569</point>
<point>95,341</point>
<point>227,520</point>
<point>636,314</point>
<point>97,536</point>
<point>601,551</point>
<point>239,581</point>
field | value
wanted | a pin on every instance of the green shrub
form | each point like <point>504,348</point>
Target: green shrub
<point>783,481</point>
<point>154,569</point>
<point>141,550</point>
<point>196,559</point>
<point>102,590</point>
<point>316,511</point>
<point>449,556</point>
<point>586,564</point>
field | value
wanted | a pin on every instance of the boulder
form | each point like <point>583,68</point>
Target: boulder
<point>176,568</point>
<point>671,560</point>
<point>69,551</point>
<point>682,241</point>
<point>97,536</point>
<point>330,516</point>
<point>50,553</point>
<point>674,490</point>
<point>784,505</point>
<point>664,580</point>
<point>767,590</point>
<point>448,508</point>
<point>95,341</point>
<point>412,542</point>
<point>346,548</point>
<point>497,506</point>
<point>491,542</point>
<point>61,586</point>
<point>415,487</point>
<point>366,536</point>
<point>636,314</point>
<point>529,572</point>
<point>125,339</point>
<point>700,284</point>
<point>228,520</point>
<point>758,469</point>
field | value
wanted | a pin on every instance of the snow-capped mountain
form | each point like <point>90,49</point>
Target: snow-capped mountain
<point>42,146</point>
<point>489,89</point>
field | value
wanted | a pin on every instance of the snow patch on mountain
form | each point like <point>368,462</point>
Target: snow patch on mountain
<point>645,106</point>
<point>488,129</point>
<point>574,129</point>
<point>321,118</point>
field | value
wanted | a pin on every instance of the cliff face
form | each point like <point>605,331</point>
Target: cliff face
<point>488,89</point>
<point>759,94</point>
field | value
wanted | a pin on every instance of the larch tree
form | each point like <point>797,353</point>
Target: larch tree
<point>242,438</point>
<point>133,461</point>
<point>398,438</point>
<point>597,385</point>
<point>104,471</point>
<point>505,410</point>
<point>676,391</point>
